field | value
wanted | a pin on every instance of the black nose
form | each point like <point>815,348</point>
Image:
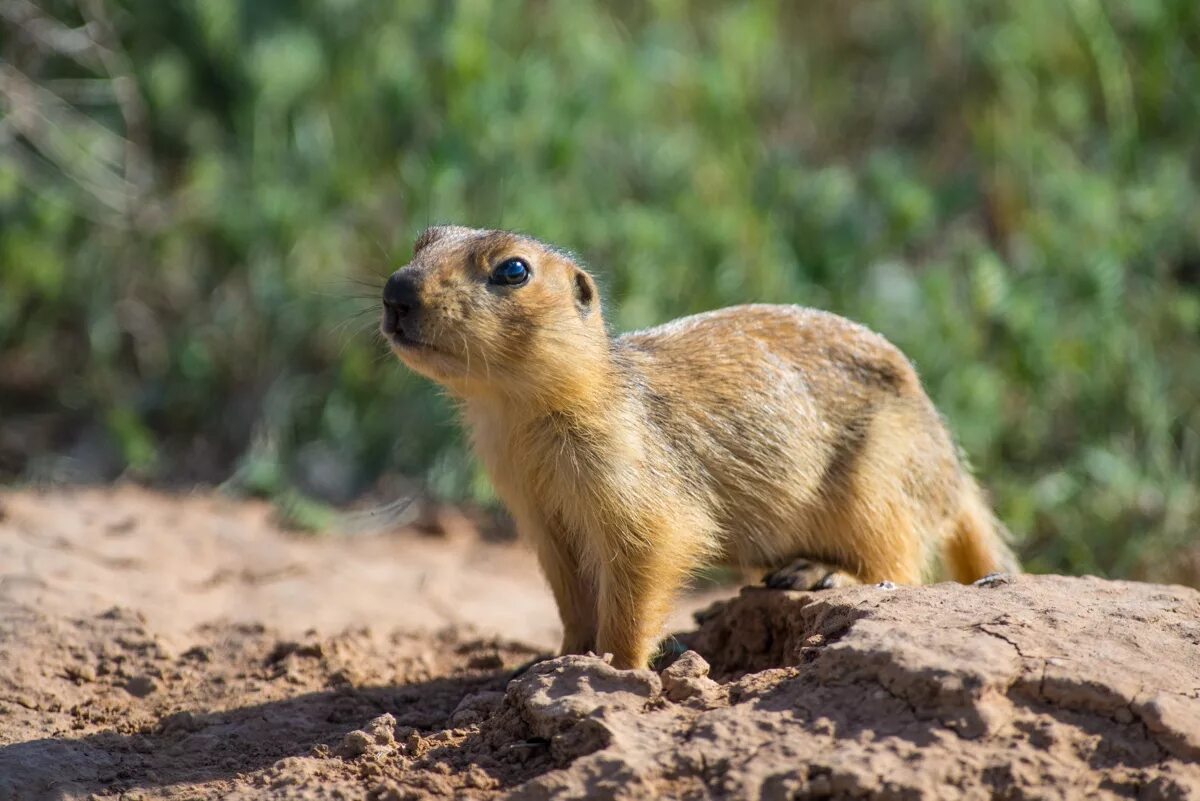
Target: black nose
<point>400,293</point>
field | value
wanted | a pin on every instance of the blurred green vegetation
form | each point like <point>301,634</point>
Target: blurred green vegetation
<point>1008,189</point>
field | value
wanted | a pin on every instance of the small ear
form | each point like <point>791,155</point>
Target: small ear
<point>585,290</point>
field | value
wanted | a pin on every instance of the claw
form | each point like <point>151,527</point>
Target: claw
<point>993,580</point>
<point>825,583</point>
<point>803,575</point>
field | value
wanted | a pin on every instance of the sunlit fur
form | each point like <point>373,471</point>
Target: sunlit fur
<point>749,435</point>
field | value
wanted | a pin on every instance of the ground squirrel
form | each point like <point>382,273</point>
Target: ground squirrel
<point>753,435</point>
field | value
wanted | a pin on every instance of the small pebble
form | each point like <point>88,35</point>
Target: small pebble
<point>140,686</point>
<point>355,744</point>
<point>83,672</point>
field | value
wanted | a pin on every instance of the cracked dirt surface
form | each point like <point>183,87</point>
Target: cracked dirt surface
<point>1030,687</point>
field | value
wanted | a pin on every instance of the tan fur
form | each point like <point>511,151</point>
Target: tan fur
<point>749,435</point>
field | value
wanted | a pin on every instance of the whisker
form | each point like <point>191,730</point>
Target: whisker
<point>387,257</point>
<point>372,309</point>
<point>350,338</point>
<point>466,351</point>
<point>343,295</point>
<point>367,284</point>
<point>355,325</point>
<point>385,355</point>
<point>353,279</point>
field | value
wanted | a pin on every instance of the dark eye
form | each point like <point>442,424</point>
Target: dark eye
<point>510,272</point>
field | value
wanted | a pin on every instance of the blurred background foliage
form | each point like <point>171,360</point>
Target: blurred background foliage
<point>199,200</point>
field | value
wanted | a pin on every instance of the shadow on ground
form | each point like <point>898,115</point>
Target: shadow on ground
<point>196,748</point>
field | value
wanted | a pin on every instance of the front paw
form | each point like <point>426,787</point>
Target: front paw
<point>807,575</point>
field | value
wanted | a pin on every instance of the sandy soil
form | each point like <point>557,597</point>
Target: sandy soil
<point>122,606</point>
<point>156,647</point>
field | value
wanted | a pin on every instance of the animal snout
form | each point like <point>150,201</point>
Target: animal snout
<point>400,293</point>
<point>401,301</point>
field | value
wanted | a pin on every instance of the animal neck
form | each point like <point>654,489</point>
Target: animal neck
<point>557,443</point>
<point>581,386</point>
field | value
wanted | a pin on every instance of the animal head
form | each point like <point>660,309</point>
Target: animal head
<point>492,312</point>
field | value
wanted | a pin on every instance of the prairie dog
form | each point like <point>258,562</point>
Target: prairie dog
<point>752,435</point>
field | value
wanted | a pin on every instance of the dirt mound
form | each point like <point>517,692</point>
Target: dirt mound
<point>1034,687</point>
<point>1037,687</point>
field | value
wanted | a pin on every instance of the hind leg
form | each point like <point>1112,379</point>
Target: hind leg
<point>892,550</point>
<point>878,541</point>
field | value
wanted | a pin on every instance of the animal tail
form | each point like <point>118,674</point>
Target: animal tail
<point>978,544</point>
